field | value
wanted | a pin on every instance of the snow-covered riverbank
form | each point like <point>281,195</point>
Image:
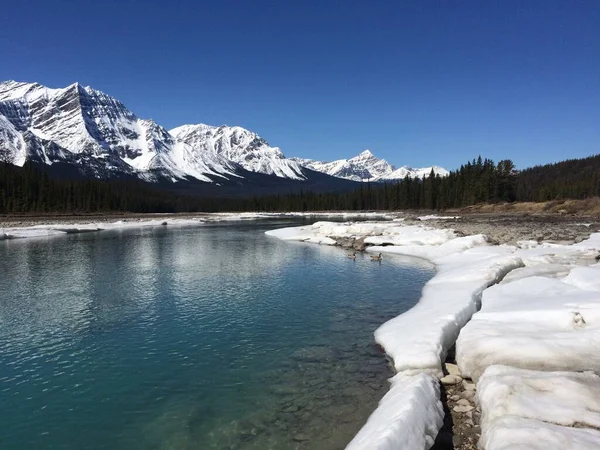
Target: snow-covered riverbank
<point>544,315</point>
<point>40,227</point>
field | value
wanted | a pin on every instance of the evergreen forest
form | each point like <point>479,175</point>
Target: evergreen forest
<point>30,190</point>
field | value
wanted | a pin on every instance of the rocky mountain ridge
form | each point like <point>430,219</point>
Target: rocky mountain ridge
<point>95,134</point>
<point>367,167</point>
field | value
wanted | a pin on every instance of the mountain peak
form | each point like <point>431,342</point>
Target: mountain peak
<point>367,167</point>
<point>241,146</point>
<point>95,132</point>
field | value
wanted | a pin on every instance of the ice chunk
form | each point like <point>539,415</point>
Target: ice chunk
<point>586,278</point>
<point>302,234</point>
<point>562,398</point>
<point>536,323</point>
<point>516,433</point>
<point>47,230</point>
<point>376,233</point>
<point>436,217</point>
<point>544,270</point>
<point>408,416</point>
<point>419,339</point>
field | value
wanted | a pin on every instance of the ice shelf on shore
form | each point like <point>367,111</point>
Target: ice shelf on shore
<point>554,323</point>
<point>562,398</point>
<point>533,409</point>
<point>436,217</point>
<point>62,228</point>
<point>545,315</point>
<point>408,417</point>
<point>419,339</point>
<point>380,233</point>
<point>518,433</point>
<point>57,229</point>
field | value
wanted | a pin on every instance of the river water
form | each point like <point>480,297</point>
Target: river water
<point>192,338</point>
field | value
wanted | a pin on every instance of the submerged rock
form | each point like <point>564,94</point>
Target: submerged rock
<point>314,354</point>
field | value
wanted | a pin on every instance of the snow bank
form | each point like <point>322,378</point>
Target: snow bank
<point>301,234</point>
<point>46,230</point>
<point>562,398</point>
<point>536,323</point>
<point>349,214</point>
<point>516,433</point>
<point>408,416</point>
<point>419,339</point>
<point>62,229</point>
<point>376,233</point>
<point>436,217</point>
<point>528,409</point>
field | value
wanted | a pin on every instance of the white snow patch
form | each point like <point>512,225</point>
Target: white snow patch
<point>59,229</point>
<point>436,217</point>
<point>301,234</point>
<point>391,233</point>
<point>516,433</point>
<point>536,323</point>
<point>562,398</point>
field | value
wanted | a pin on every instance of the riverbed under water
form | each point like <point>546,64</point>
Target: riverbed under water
<point>192,338</point>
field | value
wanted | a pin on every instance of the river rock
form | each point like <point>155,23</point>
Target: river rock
<point>300,437</point>
<point>290,409</point>
<point>468,395</point>
<point>462,408</point>
<point>468,385</point>
<point>452,369</point>
<point>314,354</point>
<point>449,380</point>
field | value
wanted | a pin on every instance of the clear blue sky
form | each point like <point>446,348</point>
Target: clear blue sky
<point>418,82</point>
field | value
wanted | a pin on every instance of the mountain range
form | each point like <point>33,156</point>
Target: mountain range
<point>367,167</point>
<point>83,131</point>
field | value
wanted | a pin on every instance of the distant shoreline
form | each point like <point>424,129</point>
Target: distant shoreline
<point>557,211</point>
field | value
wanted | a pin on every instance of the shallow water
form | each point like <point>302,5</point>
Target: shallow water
<point>192,338</point>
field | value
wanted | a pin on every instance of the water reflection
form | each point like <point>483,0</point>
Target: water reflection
<point>191,338</point>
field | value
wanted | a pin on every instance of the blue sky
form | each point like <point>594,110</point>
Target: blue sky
<point>417,82</point>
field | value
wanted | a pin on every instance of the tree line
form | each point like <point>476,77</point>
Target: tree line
<point>28,190</point>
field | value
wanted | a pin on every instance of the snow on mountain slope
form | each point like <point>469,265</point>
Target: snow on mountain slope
<point>423,172</point>
<point>94,132</point>
<point>364,167</point>
<point>367,167</point>
<point>12,142</point>
<point>239,145</point>
<point>86,124</point>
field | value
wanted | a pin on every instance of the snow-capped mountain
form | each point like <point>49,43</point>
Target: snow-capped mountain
<point>84,127</point>
<point>241,146</point>
<point>96,134</point>
<point>422,172</point>
<point>367,167</point>
<point>360,168</point>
